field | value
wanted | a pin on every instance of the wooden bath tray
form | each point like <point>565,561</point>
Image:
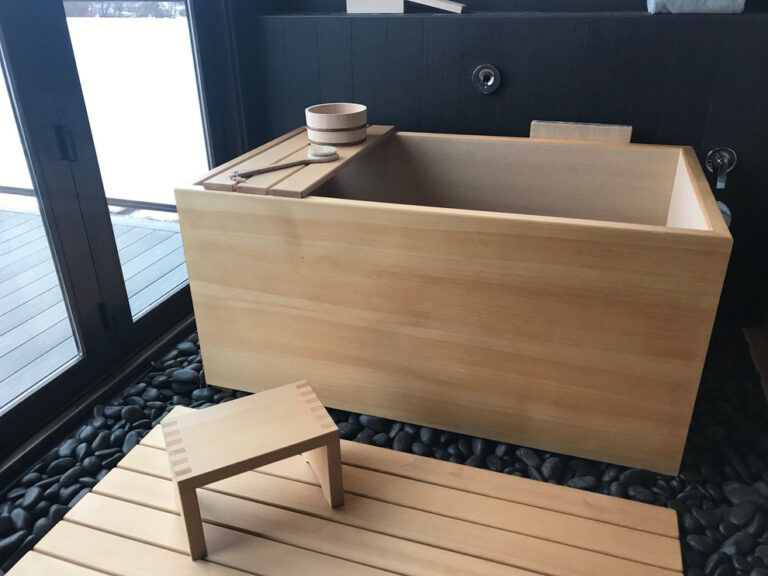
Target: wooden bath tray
<point>403,514</point>
<point>296,182</point>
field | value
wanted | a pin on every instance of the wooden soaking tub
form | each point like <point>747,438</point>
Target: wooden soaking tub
<point>553,294</point>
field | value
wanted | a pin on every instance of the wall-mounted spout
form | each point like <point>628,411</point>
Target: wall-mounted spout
<point>720,161</point>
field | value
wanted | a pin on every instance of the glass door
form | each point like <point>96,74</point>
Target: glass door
<point>136,68</point>
<point>100,118</point>
<point>38,338</point>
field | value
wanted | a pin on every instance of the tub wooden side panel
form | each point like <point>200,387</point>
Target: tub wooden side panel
<point>570,336</point>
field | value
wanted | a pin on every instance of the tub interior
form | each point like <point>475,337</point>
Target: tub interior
<point>618,183</point>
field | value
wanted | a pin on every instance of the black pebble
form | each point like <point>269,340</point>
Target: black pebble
<point>186,348</point>
<point>185,376</point>
<point>67,448</point>
<point>52,492</point>
<point>40,509</point>
<point>634,476</point>
<point>641,494</point>
<point>375,423</point>
<point>442,454</point>
<point>30,479</point>
<point>66,494</point>
<point>380,439</point>
<point>41,527</point>
<point>112,412</point>
<point>87,433</point>
<point>583,483</point>
<point>71,476</point>
<point>610,474</point>
<point>727,529</point>
<point>740,543</point>
<point>150,395</point>
<point>78,496</point>
<point>480,447</point>
<point>11,543</point>
<point>402,442</point>
<point>365,436</point>
<point>91,465</point>
<point>736,492</point>
<point>102,441</point>
<point>465,446</point>
<point>56,513</point>
<point>132,413</point>
<point>494,462</point>
<point>421,449</point>
<point>552,468</point>
<point>83,449</point>
<point>700,543</point>
<point>60,466</point>
<point>116,438</point>
<point>204,394</point>
<point>32,497</point>
<point>428,435</point>
<point>742,513</point>
<point>534,474</point>
<point>6,525</point>
<point>715,561</point>
<point>131,439</point>
<point>476,461</point>
<point>22,520</point>
<point>708,518</point>
<point>348,430</point>
<point>529,457</point>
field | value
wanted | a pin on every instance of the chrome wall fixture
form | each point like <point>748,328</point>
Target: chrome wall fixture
<point>486,79</point>
<point>721,161</point>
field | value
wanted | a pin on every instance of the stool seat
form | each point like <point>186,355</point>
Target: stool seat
<point>246,433</point>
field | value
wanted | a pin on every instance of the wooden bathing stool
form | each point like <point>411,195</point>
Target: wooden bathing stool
<point>403,515</point>
<point>229,439</point>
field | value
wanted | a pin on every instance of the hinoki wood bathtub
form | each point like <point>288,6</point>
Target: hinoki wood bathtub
<point>552,294</point>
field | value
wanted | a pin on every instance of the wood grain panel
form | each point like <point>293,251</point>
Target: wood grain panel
<point>483,482</point>
<point>574,336</point>
<point>564,528</point>
<point>113,554</point>
<point>36,564</point>
<point>275,522</point>
<point>227,547</point>
<point>597,181</point>
<point>364,547</point>
<point>500,546</point>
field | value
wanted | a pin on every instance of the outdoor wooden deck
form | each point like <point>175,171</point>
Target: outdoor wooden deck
<point>402,514</point>
<point>35,332</point>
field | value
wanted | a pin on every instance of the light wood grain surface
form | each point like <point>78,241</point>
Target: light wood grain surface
<point>246,433</point>
<point>562,300</point>
<point>580,131</point>
<point>274,522</point>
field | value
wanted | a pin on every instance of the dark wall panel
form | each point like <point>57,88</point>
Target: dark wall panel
<point>698,80</point>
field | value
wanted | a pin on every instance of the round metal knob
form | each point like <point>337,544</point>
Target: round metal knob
<point>486,78</point>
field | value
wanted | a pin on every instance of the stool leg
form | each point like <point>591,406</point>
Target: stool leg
<point>193,523</point>
<point>326,463</point>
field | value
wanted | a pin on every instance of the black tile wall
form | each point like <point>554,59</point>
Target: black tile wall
<point>698,80</point>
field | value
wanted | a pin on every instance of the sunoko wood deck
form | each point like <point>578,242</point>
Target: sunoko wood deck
<point>403,514</point>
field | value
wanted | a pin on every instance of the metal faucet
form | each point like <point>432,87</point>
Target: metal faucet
<point>720,161</point>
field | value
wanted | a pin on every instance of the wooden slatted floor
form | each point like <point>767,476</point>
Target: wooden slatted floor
<point>35,333</point>
<point>403,514</point>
